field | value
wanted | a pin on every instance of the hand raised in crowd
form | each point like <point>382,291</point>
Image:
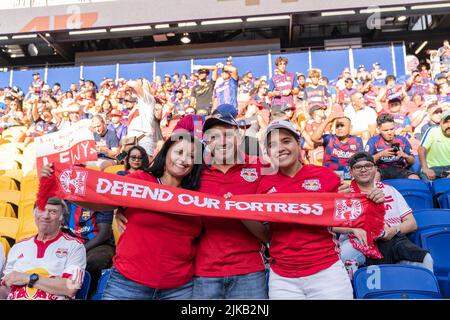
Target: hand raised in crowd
<point>47,171</point>
<point>376,195</point>
<point>286,92</point>
<point>361,235</point>
<point>333,116</point>
<point>276,93</point>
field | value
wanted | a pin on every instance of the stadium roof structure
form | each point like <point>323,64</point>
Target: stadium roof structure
<point>75,32</point>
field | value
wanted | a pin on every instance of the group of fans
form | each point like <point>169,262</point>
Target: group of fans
<point>317,135</point>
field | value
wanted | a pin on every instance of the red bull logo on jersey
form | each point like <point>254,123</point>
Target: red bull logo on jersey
<point>73,181</point>
<point>61,252</point>
<point>249,175</point>
<point>347,209</point>
<point>312,185</point>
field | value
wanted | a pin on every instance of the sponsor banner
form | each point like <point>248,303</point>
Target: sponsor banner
<point>78,184</point>
<point>74,145</point>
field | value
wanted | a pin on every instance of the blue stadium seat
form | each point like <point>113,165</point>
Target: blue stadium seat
<point>395,281</point>
<point>416,166</point>
<point>101,284</point>
<point>430,220</point>
<point>82,294</point>
<point>441,192</point>
<point>437,242</point>
<point>416,192</point>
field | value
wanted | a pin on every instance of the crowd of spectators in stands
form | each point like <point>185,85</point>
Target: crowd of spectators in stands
<point>363,110</point>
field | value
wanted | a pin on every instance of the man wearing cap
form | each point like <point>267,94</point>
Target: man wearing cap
<point>363,118</point>
<point>393,244</point>
<point>202,92</point>
<point>37,83</point>
<point>281,88</point>
<point>116,124</point>
<point>305,260</point>
<point>48,266</point>
<point>362,74</point>
<point>226,87</point>
<point>434,150</point>
<point>401,118</point>
<point>377,73</point>
<point>339,147</point>
<point>434,112</point>
<point>392,152</point>
<point>228,262</point>
<point>345,95</point>
<point>341,83</point>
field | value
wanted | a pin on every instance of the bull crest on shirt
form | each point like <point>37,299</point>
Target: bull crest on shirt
<point>73,181</point>
<point>249,175</point>
<point>347,209</point>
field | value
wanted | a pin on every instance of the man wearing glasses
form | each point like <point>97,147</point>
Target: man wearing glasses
<point>393,243</point>
<point>340,146</point>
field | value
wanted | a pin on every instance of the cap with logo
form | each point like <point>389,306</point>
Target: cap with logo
<point>224,114</point>
<point>280,124</point>
<point>446,115</point>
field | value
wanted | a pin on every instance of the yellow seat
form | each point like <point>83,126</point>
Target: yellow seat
<point>10,196</point>
<point>5,245</point>
<point>9,227</point>
<point>114,169</point>
<point>27,226</point>
<point>93,168</point>
<point>6,210</point>
<point>13,131</point>
<point>15,174</point>
<point>29,186</point>
<point>6,183</point>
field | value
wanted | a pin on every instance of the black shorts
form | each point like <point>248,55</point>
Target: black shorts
<point>397,249</point>
<point>394,173</point>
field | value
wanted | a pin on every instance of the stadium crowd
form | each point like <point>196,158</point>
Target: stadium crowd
<point>346,135</point>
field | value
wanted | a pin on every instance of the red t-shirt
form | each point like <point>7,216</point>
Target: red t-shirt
<point>299,250</point>
<point>227,248</point>
<point>157,249</point>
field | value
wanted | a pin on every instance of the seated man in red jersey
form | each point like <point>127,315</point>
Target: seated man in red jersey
<point>48,266</point>
<point>305,260</point>
<point>393,244</point>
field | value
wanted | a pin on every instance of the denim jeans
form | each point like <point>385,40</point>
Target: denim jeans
<point>247,286</point>
<point>439,171</point>
<point>120,288</point>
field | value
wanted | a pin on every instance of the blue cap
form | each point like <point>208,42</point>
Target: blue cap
<point>224,114</point>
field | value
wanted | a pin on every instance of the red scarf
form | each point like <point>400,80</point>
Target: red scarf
<point>350,210</point>
<point>370,250</point>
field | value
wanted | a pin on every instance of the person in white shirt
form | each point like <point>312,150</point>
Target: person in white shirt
<point>48,266</point>
<point>393,244</point>
<point>363,118</point>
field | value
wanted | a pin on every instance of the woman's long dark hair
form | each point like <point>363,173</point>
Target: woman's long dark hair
<point>191,181</point>
<point>145,162</point>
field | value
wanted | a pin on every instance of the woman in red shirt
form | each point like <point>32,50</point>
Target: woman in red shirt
<point>154,256</point>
